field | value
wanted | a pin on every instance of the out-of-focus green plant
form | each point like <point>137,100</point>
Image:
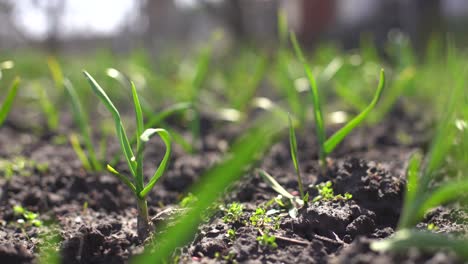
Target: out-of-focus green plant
<point>422,194</point>
<point>328,145</point>
<point>8,101</point>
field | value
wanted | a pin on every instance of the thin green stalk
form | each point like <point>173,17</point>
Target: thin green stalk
<point>8,102</point>
<point>319,122</point>
<point>293,150</point>
<point>327,146</point>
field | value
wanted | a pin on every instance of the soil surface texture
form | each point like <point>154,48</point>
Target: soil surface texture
<point>94,214</point>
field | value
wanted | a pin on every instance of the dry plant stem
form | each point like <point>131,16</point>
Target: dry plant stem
<point>144,226</point>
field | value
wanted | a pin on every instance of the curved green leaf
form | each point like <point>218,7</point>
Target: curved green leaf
<point>412,184</point>
<point>166,137</point>
<point>123,178</point>
<point>122,136</point>
<point>336,138</point>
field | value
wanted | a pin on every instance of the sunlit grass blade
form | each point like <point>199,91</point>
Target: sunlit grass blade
<point>75,142</point>
<point>139,131</point>
<point>274,184</point>
<point>282,27</point>
<point>197,83</point>
<point>428,241</point>
<point>402,83</point>
<point>211,186</point>
<point>447,192</point>
<point>8,102</point>
<point>293,150</point>
<point>445,132</point>
<point>138,112</point>
<point>82,120</point>
<point>56,72</point>
<point>336,138</point>
<point>318,115</point>
<point>121,134</point>
<point>166,137</point>
<point>412,184</point>
<point>49,109</point>
<point>123,178</point>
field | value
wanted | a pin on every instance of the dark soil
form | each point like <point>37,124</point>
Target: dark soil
<point>95,217</point>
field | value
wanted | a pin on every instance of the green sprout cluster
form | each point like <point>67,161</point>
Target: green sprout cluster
<point>233,213</point>
<point>433,178</point>
<point>326,193</point>
<point>28,218</point>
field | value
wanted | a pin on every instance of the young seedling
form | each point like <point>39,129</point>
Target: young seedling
<point>135,161</point>
<point>267,240</point>
<point>326,146</point>
<point>28,218</point>
<point>8,102</point>
<point>233,213</point>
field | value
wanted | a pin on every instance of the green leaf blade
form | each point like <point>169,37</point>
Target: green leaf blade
<point>166,138</point>
<point>6,106</point>
<point>336,138</point>
<point>293,150</point>
<point>318,114</point>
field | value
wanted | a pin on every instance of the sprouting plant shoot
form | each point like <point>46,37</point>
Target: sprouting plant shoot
<point>135,161</point>
<point>293,149</point>
<point>8,102</point>
<point>326,146</point>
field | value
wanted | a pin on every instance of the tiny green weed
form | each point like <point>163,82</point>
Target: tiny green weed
<point>135,162</point>
<point>259,218</point>
<point>267,240</point>
<point>231,234</point>
<point>28,218</point>
<point>233,213</point>
<point>326,193</point>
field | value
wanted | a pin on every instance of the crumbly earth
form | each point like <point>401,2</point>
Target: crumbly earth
<point>94,215</point>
